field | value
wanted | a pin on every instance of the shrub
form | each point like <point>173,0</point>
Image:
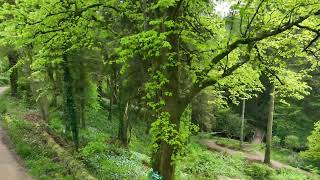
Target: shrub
<point>292,142</point>
<point>4,81</point>
<point>259,171</point>
<point>276,141</point>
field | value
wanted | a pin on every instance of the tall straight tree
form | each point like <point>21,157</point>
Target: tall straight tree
<point>267,157</point>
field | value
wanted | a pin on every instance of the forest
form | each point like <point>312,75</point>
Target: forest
<point>160,89</point>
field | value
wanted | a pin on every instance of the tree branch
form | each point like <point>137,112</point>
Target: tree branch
<point>259,37</point>
<point>273,73</point>
<point>317,31</point>
<point>253,17</point>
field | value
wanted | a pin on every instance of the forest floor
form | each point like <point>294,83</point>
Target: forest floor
<point>249,153</point>
<point>10,167</point>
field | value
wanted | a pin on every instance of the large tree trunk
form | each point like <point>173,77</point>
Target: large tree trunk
<point>258,136</point>
<point>267,158</point>
<point>162,159</point>
<point>71,119</point>
<point>13,59</point>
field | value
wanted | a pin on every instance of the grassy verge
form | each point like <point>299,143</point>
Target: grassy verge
<point>40,161</point>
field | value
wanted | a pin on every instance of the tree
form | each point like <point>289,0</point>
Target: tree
<point>185,45</point>
<point>313,151</point>
<point>267,158</point>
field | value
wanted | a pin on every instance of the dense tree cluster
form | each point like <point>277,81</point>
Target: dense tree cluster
<point>159,58</point>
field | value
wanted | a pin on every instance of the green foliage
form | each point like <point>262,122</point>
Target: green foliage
<point>313,142</point>
<point>289,157</point>
<point>276,141</point>
<point>313,151</point>
<point>3,81</point>
<point>111,161</point>
<point>229,124</point>
<point>289,174</point>
<point>44,167</point>
<point>203,164</point>
<point>297,119</point>
<point>259,171</point>
<point>292,142</point>
<point>40,160</point>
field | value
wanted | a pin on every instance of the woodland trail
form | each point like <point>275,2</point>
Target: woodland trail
<point>248,154</point>
<point>10,168</point>
<point>251,156</point>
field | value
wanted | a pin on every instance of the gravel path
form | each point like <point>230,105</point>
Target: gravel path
<point>10,168</point>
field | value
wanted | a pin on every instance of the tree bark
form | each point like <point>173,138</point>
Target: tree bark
<point>111,99</point>
<point>69,103</point>
<point>267,157</point>
<point>82,94</point>
<point>13,59</point>
<point>162,159</point>
<point>242,122</point>
<point>124,125</point>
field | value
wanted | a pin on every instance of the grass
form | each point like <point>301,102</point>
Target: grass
<point>200,163</point>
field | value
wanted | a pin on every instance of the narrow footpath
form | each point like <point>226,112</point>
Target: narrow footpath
<point>10,168</point>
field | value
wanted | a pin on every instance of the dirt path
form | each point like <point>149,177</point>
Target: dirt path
<point>10,168</point>
<point>251,156</point>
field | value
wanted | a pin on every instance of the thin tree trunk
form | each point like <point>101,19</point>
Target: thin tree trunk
<point>110,100</point>
<point>267,158</point>
<point>54,101</point>
<point>82,112</point>
<point>242,122</point>
<point>124,125</point>
<point>82,94</point>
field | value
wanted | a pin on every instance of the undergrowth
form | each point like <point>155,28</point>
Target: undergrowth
<point>106,158</point>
